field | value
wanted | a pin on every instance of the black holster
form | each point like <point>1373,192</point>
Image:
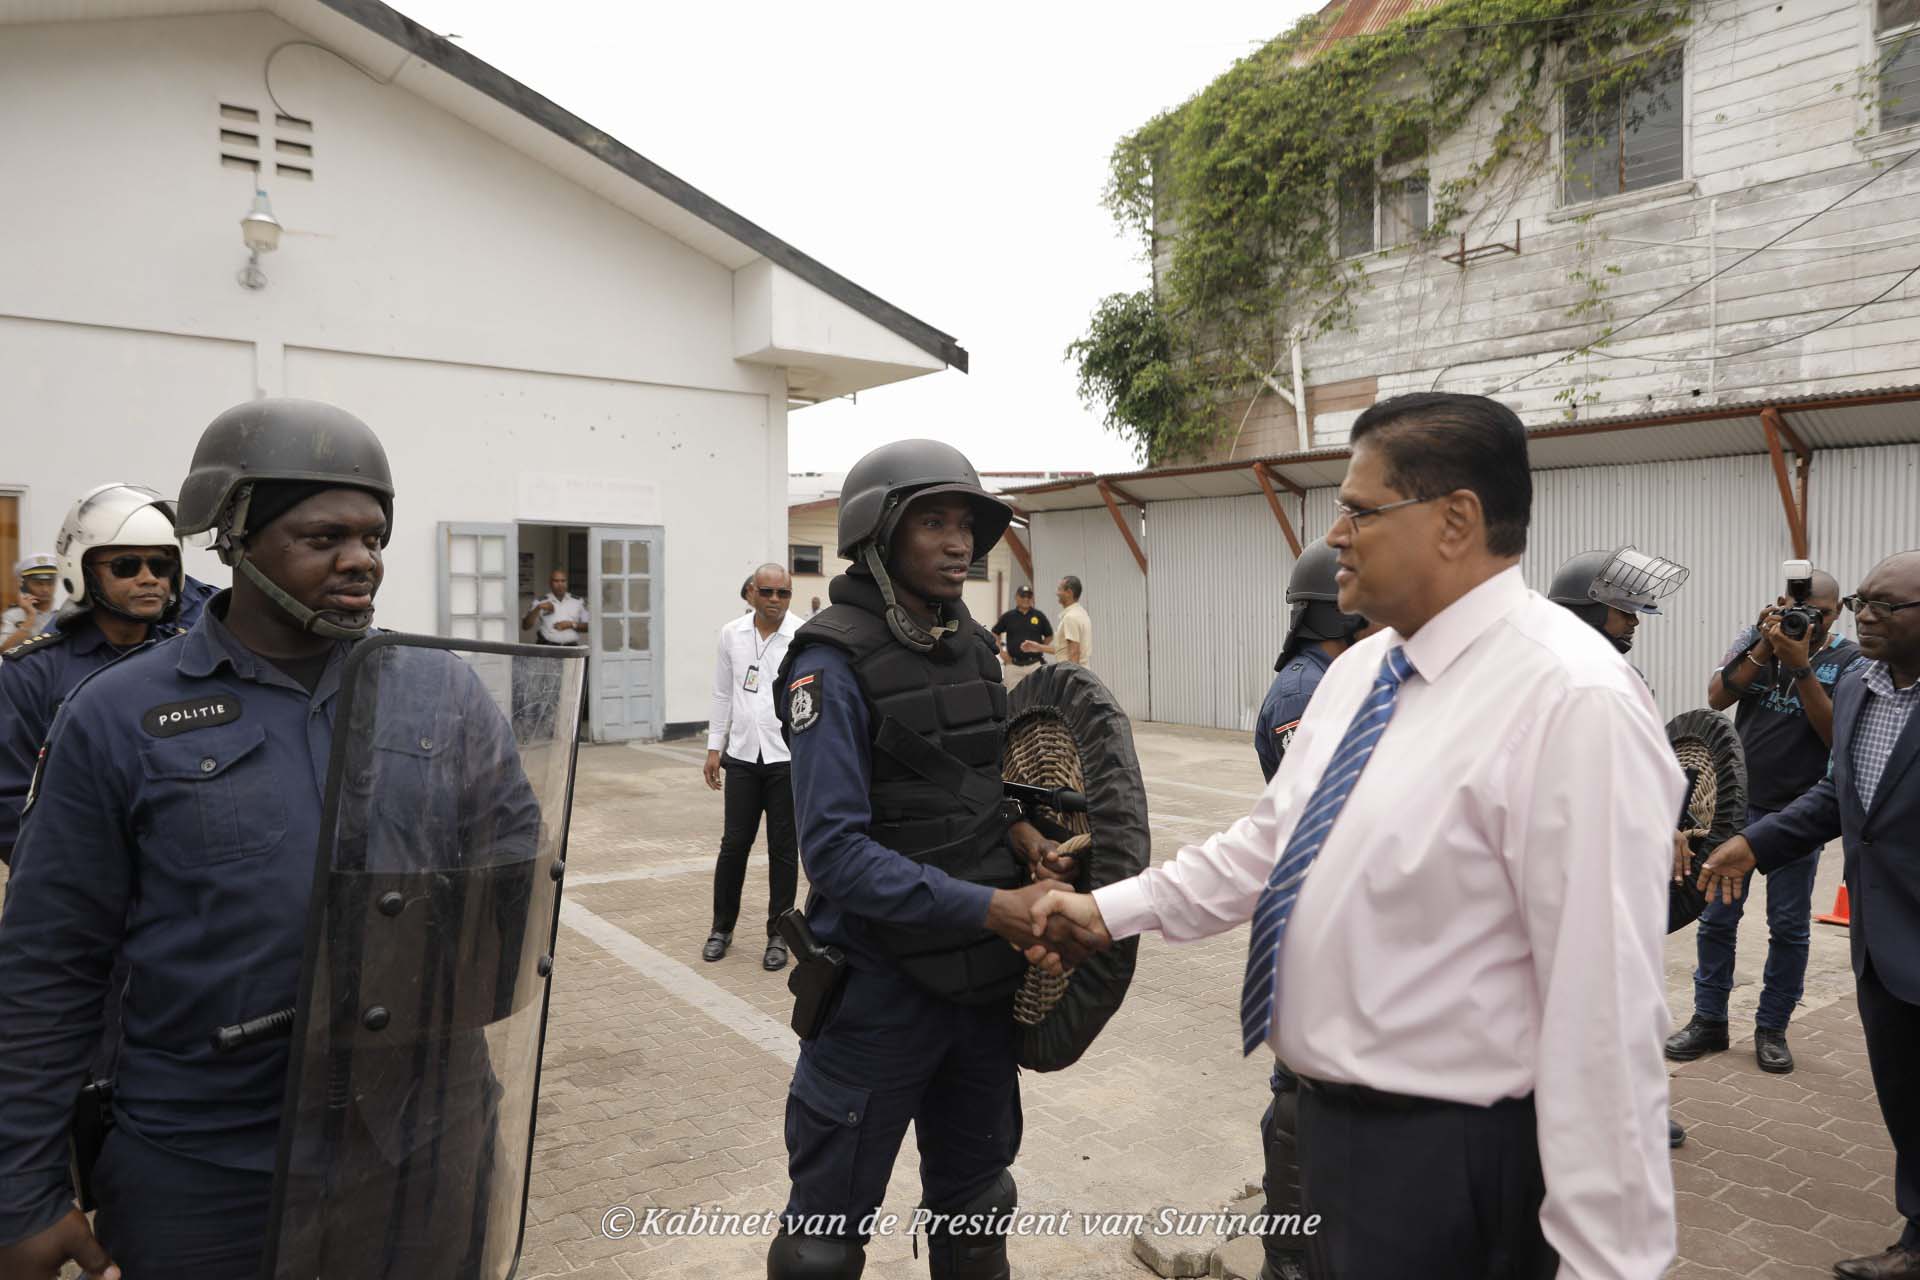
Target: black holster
<point>87,1134</point>
<point>817,977</point>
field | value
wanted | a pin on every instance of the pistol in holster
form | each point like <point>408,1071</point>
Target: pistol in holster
<point>92,1121</point>
<point>817,977</point>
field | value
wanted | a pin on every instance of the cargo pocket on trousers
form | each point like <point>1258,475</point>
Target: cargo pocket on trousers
<point>824,1119</point>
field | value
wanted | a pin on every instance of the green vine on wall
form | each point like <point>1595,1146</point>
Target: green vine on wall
<point>1245,180</point>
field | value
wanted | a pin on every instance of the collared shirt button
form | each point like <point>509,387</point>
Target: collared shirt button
<point>426,744</point>
<point>207,765</point>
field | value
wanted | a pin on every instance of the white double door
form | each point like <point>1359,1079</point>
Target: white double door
<point>479,567</point>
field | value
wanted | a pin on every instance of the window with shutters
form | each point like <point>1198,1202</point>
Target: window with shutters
<point>1896,30</point>
<point>1627,137</point>
<point>805,558</point>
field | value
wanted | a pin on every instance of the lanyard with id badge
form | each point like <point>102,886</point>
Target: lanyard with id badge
<point>751,681</point>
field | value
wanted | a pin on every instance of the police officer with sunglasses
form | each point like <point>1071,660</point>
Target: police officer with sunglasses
<point>119,563</point>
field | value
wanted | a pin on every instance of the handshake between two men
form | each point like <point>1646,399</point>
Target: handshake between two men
<point>1056,927</point>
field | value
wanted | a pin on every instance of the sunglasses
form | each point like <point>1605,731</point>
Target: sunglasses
<point>129,566</point>
<point>768,593</point>
<point>1860,604</point>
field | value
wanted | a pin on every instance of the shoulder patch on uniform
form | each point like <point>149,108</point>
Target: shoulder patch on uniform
<point>170,718</point>
<point>1283,735</point>
<point>803,701</point>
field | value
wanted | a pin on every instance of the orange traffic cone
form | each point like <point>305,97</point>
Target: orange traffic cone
<point>1842,914</point>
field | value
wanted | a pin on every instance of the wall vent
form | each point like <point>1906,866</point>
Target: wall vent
<point>248,142</point>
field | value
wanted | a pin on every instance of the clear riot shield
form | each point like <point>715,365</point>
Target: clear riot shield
<point>415,1061</point>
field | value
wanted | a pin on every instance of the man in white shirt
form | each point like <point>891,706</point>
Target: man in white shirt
<point>746,747</point>
<point>1074,641</point>
<point>557,618</point>
<point>1457,882</point>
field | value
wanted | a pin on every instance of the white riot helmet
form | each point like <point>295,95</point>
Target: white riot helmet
<point>115,515</point>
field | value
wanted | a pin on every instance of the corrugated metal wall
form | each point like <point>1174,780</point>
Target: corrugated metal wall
<point>1217,612</point>
<point>1864,505</point>
<point>1085,544</point>
<point>1217,593</point>
<point>1721,518</point>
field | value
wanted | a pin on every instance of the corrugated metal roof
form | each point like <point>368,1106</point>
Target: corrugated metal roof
<point>1841,419</point>
<point>1362,18</point>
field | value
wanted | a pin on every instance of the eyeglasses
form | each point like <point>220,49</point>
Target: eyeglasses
<point>1860,604</point>
<point>129,566</point>
<point>768,593</point>
<point>1346,511</point>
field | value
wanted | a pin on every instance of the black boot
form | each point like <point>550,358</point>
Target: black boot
<point>1698,1037</point>
<point>717,943</point>
<point>1770,1050</point>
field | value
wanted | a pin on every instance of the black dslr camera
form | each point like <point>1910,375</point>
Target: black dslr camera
<point>1799,619</point>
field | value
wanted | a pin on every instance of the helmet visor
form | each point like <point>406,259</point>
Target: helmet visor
<point>1632,581</point>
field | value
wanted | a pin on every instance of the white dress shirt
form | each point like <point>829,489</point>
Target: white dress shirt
<point>1486,917</point>
<point>742,720</point>
<point>569,609</point>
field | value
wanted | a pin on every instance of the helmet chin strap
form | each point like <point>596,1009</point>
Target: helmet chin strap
<point>309,619</point>
<point>899,621</point>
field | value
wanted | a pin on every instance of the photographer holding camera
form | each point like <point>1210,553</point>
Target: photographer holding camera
<point>1781,672</point>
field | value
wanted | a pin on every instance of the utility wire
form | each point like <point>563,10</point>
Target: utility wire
<point>1701,284</point>
<point>1792,337</point>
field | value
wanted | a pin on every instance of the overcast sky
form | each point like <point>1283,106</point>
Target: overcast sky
<point>949,159</point>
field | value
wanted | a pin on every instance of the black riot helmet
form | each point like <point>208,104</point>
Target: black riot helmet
<point>881,484</point>
<point>1315,598</point>
<point>1625,579</point>
<point>277,443</point>
<point>875,495</point>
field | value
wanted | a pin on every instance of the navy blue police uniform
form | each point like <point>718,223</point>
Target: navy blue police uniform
<point>35,678</point>
<point>173,822</point>
<point>901,873</point>
<point>1285,704</point>
<point>1280,714</point>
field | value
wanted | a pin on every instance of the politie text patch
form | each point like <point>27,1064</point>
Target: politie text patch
<point>169,718</point>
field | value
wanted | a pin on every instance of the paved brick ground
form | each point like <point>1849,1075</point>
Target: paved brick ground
<point>665,1078</point>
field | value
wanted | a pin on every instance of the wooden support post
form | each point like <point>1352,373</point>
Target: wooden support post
<point>1796,516</point>
<point>1124,496</point>
<point>1273,501</point>
<point>1113,509</point>
<point>1020,554</point>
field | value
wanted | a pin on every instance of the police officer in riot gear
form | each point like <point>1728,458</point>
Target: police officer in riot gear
<point>1317,633</point>
<point>892,700</point>
<point>1611,591</point>
<point>173,823</point>
<point>119,563</point>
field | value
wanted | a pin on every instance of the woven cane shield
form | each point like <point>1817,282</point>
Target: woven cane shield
<point>1716,809</point>
<point>1067,731</point>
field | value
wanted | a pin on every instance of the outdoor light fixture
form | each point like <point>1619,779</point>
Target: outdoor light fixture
<point>261,232</point>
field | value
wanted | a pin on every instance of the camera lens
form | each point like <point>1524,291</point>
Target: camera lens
<point>1794,624</point>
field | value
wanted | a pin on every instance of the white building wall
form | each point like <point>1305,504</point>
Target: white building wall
<point>1781,125</point>
<point>487,317</point>
<point>1087,545</point>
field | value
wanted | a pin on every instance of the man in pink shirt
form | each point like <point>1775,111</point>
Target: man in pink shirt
<point>1457,889</point>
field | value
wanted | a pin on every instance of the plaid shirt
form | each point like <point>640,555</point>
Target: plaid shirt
<point>1883,715</point>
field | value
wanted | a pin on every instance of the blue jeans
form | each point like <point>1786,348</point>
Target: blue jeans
<point>1789,924</point>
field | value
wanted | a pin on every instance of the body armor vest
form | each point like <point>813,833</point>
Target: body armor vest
<point>938,722</point>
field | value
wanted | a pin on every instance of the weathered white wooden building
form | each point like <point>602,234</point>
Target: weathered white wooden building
<point>1764,219</point>
<point>572,355</point>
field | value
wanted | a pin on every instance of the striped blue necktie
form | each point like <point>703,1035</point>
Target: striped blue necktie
<point>1270,914</point>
